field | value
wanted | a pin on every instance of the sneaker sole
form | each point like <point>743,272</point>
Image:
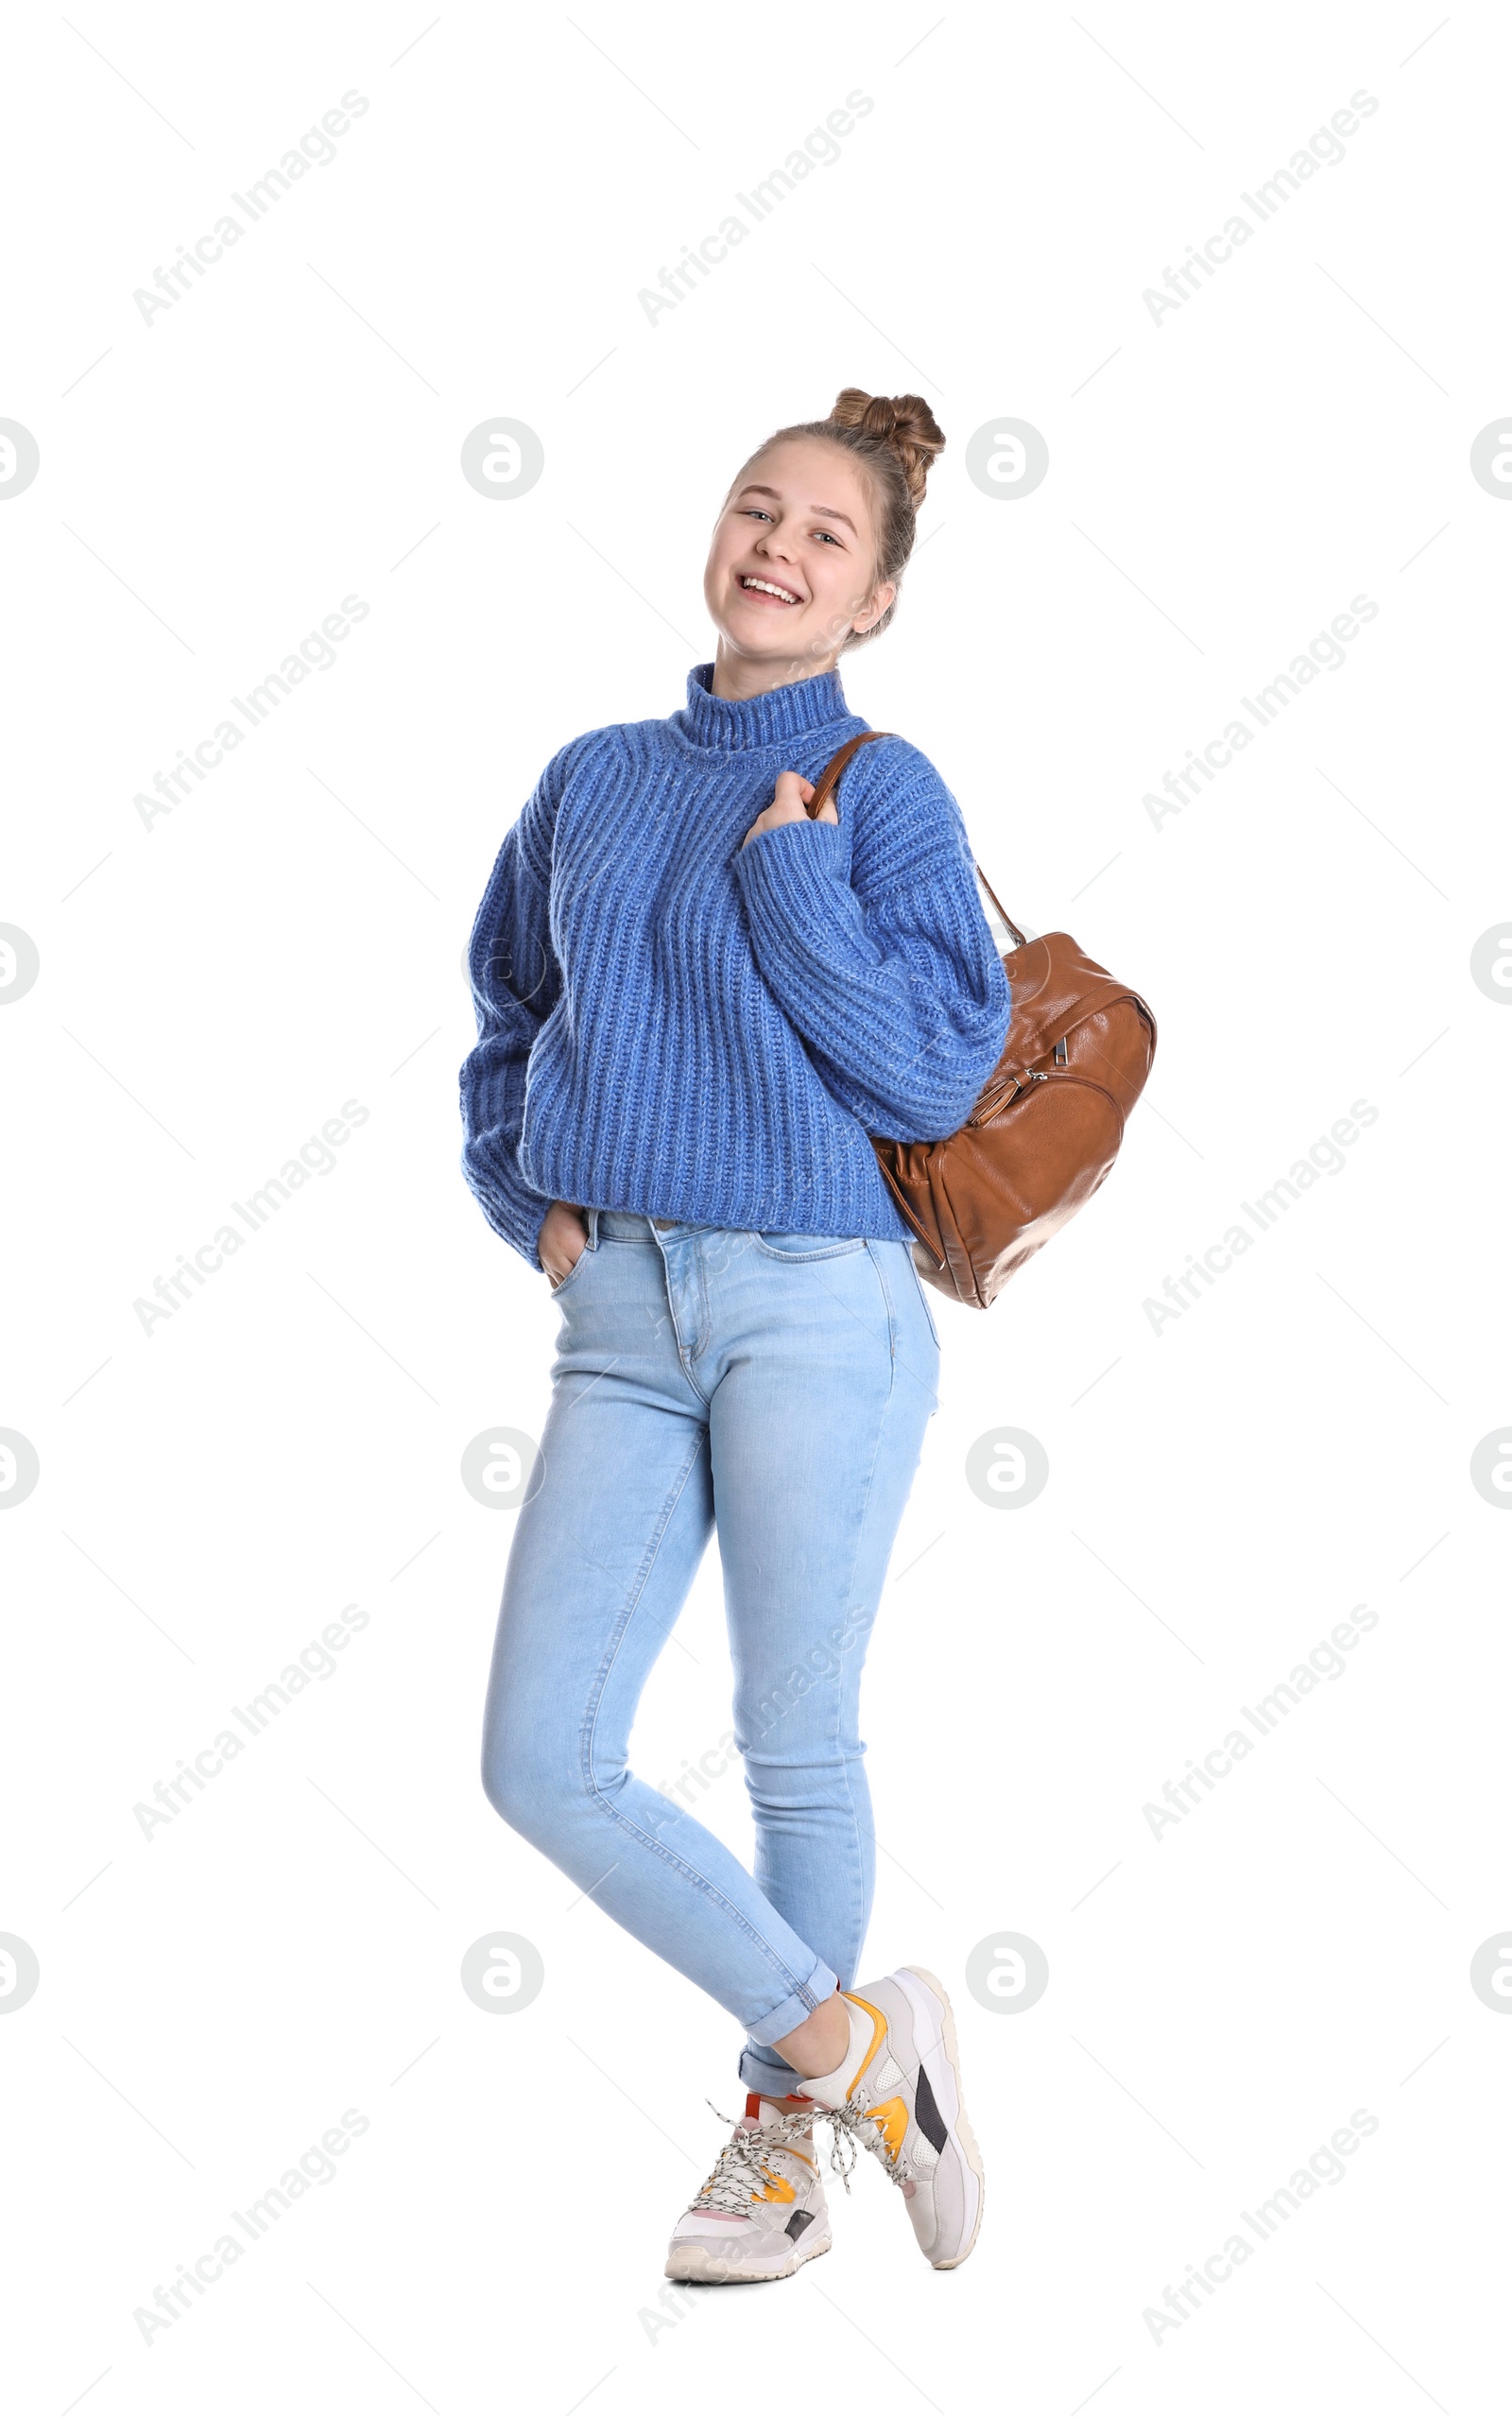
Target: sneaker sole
<point>697,2264</point>
<point>930,2035</point>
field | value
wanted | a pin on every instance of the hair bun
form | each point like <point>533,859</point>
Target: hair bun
<point>905,425</point>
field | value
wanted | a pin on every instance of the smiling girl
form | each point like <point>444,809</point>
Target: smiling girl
<point>696,1004</point>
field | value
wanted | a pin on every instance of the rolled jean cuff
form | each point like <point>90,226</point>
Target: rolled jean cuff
<point>774,2075</point>
<point>768,2075</point>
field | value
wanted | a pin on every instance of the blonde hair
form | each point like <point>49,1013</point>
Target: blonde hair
<point>896,440</point>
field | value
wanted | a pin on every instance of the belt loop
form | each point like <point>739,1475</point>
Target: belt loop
<point>593,1229</point>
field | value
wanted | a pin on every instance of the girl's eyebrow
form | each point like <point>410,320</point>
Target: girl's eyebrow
<point>836,514</point>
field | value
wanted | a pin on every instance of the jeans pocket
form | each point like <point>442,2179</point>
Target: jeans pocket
<point>796,1249</point>
<point>919,1283</point>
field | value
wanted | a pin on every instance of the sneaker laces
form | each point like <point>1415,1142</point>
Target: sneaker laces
<point>849,2121</point>
<point>740,2178</point>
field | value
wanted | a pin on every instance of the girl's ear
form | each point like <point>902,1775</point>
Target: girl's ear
<point>877,607</point>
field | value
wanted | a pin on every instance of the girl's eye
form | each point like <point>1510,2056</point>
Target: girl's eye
<point>818,536</point>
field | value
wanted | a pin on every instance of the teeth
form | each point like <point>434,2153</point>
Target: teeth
<point>754,583</point>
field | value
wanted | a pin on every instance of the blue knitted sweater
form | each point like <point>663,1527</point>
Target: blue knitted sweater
<point>674,1024</point>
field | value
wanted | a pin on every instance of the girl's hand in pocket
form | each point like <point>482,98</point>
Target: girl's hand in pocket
<point>561,1241</point>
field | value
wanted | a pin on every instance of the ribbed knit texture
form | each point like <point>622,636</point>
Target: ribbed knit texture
<point>678,1025</point>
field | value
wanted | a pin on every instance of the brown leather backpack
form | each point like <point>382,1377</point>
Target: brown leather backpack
<point>1046,1127</point>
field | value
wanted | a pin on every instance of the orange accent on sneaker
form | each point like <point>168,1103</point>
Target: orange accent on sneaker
<point>893,2115</point>
<point>777,2191</point>
<point>879,2031</point>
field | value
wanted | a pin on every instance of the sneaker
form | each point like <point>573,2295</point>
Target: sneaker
<point>761,2212</point>
<point>898,2092</point>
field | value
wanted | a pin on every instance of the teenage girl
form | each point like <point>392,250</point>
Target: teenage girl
<point>696,1004</point>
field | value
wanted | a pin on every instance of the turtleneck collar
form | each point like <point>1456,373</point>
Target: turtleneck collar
<point>775,717</point>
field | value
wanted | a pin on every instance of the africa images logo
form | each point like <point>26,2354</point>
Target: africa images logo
<point>819,150</point>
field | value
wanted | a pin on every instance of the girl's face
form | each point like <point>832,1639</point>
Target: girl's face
<point>791,563</point>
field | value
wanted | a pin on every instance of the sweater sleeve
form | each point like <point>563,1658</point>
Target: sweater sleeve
<point>898,992</point>
<point>516,981</point>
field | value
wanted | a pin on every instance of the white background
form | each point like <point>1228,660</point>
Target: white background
<point>1221,1493</point>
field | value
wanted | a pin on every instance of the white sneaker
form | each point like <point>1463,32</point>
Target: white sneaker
<point>898,2092</point>
<point>761,2212</point>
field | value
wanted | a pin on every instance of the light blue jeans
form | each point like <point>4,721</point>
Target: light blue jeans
<point>775,1386</point>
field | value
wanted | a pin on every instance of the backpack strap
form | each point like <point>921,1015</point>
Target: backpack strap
<point>830,779</point>
<point>837,766</point>
<point>1011,926</point>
